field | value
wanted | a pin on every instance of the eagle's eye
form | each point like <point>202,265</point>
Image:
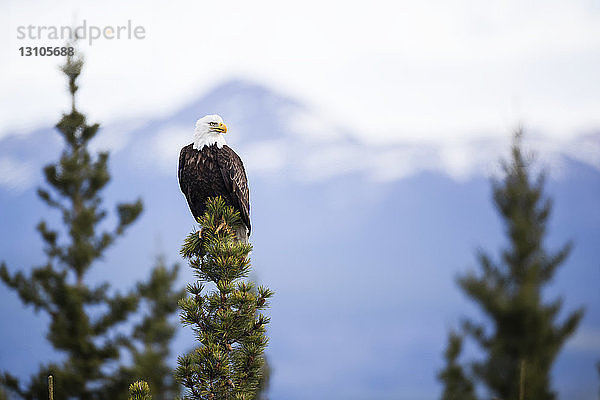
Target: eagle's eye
<point>213,123</point>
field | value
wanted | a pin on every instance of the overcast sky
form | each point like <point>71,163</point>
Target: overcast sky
<point>392,71</point>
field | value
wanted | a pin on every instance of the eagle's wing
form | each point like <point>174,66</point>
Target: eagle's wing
<point>236,182</point>
<point>183,156</point>
<point>188,179</point>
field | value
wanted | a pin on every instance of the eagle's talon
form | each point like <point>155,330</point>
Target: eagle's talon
<point>221,226</point>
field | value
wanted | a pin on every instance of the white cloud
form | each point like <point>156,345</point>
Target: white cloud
<point>387,165</point>
<point>115,137</point>
<point>457,161</point>
<point>391,71</point>
<point>322,162</point>
<point>16,175</point>
<point>313,158</point>
<point>161,151</point>
<point>265,157</point>
<point>311,126</point>
<point>585,149</point>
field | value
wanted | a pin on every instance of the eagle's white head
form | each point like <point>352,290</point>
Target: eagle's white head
<point>209,130</point>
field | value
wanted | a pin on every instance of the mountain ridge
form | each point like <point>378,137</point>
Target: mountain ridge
<point>277,134</point>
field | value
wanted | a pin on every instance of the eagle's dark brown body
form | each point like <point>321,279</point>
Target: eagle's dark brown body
<point>211,172</point>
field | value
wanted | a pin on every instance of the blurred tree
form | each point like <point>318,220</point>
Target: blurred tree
<point>86,323</point>
<point>154,332</point>
<point>227,322</point>
<point>525,335</point>
<point>457,386</point>
<point>598,368</point>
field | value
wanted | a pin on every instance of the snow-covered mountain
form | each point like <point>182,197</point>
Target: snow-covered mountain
<point>280,136</point>
<point>361,242</point>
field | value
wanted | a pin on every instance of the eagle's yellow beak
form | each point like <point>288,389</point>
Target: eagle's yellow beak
<point>221,128</point>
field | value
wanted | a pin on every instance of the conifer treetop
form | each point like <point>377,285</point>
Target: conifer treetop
<point>73,187</point>
<point>227,320</point>
<point>525,334</point>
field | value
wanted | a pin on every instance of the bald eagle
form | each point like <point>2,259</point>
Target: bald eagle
<point>210,168</point>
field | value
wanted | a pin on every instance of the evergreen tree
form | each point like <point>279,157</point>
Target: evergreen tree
<point>598,368</point>
<point>58,288</point>
<point>525,335</point>
<point>154,333</point>
<point>227,322</point>
<point>139,390</point>
<point>457,386</point>
<point>263,383</point>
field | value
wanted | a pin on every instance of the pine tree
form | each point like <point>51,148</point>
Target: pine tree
<point>154,333</point>
<point>227,322</point>
<point>58,288</point>
<point>525,335</point>
<point>263,383</point>
<point>139,390</point>
<point>598,369</point>
<point>457,385</point>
